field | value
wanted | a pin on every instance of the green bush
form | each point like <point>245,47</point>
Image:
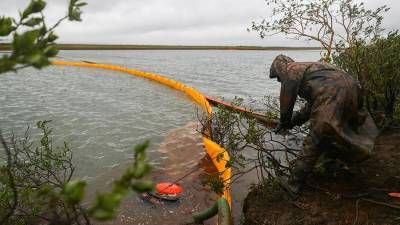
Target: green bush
<point>36,185</point>
<point>377,66</point>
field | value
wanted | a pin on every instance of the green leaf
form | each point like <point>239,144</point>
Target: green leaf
<point>36,59</point>
<point>141,148</point>
<point>34,7</point>
<point>141,170</point>
<point>74,191</point>
<point>33,58</point>
<point>74,15</point>
<point>101,214</point>
<point>38,6</point>
<point>45,190</point>
<point>23,43</point>
<point>51,51</point>
<point>104,208</point>
<point>229,163</point>
<point>52,37</point>
<point>5,26</point>
<point>6,64</point>
<point>33,22</point>
<point>81,4</point>
<point>143,186</point>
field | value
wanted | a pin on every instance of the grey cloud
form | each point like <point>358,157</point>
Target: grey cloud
<point>206,22</point>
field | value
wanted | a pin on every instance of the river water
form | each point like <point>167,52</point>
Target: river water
<point>103,114</point>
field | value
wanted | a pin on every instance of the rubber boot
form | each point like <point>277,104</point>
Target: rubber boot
<point>302,168</point>
<point>298,177</point>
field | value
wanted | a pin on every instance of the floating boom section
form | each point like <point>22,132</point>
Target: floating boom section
<point>218,154</point>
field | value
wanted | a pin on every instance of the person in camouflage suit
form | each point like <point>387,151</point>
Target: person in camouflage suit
<point>341,127</point>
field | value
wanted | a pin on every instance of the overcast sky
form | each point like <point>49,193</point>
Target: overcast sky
<point>173,22</point>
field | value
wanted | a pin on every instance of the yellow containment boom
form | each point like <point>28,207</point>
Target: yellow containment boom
<point>212,148</point>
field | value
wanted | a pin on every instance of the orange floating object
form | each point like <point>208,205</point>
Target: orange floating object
<point>394,194</point>
<point>168,188</point>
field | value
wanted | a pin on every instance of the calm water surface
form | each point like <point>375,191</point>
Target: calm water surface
<point>102,114</point>
<point>216,73</point>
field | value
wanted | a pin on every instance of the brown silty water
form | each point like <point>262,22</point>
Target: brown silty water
<point>184,151</point>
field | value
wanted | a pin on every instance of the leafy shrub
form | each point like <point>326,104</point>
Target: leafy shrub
<point>377,67</point>
<point>252,146</point>
<point>36,184</point>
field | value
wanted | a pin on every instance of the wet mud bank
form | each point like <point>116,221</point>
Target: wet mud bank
<point>356,195</point>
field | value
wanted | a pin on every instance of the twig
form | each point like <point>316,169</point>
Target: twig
<point>359,196</point>
<point>381,203</point>
<point>325,191</point>
<point>357,204</point>
<point>182,177</point>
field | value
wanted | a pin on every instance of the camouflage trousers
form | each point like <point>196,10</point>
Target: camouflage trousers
<point>304,164</point>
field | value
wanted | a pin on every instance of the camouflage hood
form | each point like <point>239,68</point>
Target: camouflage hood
<point>279,67</point>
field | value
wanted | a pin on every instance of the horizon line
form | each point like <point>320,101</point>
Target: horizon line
<point>7,46</point>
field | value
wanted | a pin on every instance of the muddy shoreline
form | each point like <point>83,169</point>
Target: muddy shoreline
<point>354,196</point>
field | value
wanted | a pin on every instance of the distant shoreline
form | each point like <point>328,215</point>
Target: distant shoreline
<point>167,47</point>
